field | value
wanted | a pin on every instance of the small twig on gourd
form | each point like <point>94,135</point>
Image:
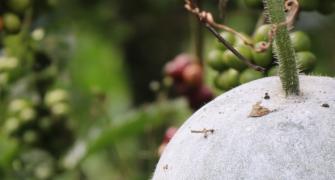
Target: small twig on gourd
<point>207,19</point>
<point>204,131</point>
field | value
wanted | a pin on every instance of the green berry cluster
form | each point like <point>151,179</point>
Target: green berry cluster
<point>57,101</point>
<point>8,66</point>
<point>12,15</point>
<point>27,120</point>
<point>20,114</point>
<point>36,163</point>
<point>231,71</point>
<point>34,109</point>
<point>306,60</point>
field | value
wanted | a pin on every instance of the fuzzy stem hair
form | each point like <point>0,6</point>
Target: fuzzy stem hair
<point>283,49</point>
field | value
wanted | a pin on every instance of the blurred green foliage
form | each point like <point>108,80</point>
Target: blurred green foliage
<point>107,52</point>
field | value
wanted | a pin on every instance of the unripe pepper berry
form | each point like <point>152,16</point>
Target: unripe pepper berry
<point>249,75</point>
<point>300,41</point>
<point>234,62</point>
<point>262,33</point>
<point>12,22</point>
<point>215,60</point>
<point>229,37</point>
<point>227,79</point>
<point>241,41</point>
<point>306,61</point>
<point>264,58</point>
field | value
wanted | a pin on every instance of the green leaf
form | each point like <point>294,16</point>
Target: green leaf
<point>131,124</point>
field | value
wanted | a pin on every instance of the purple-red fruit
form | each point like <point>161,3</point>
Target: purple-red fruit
<point>192,74</point>
<point>167,137</point>
<point>176,67</point>
<point>200,96</point>
<point>169,133</point>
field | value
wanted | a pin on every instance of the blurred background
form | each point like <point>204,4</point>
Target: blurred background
<point>94,89</point>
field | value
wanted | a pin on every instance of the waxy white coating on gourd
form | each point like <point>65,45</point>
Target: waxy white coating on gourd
<point>295,141</point>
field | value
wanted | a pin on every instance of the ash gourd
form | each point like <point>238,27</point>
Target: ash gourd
<point>295,140</point>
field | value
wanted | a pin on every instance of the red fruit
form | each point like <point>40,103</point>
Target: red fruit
<point>169,133</point>
<point>192,74</point>
<point>200,96</point>
<point>181,87</point>
<point>176,67</point>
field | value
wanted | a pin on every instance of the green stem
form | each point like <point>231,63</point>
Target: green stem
<point>283,49</point>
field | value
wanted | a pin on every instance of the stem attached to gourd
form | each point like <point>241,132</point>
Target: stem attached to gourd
<point>283,49</point>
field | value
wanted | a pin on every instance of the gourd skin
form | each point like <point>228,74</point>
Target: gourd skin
<point>295,141</point>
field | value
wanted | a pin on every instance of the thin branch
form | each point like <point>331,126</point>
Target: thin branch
<point>196,11</point>
<point>291,9</point>
<point>246,40</point>
<point>233,50</point>
<point>207,19</point>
